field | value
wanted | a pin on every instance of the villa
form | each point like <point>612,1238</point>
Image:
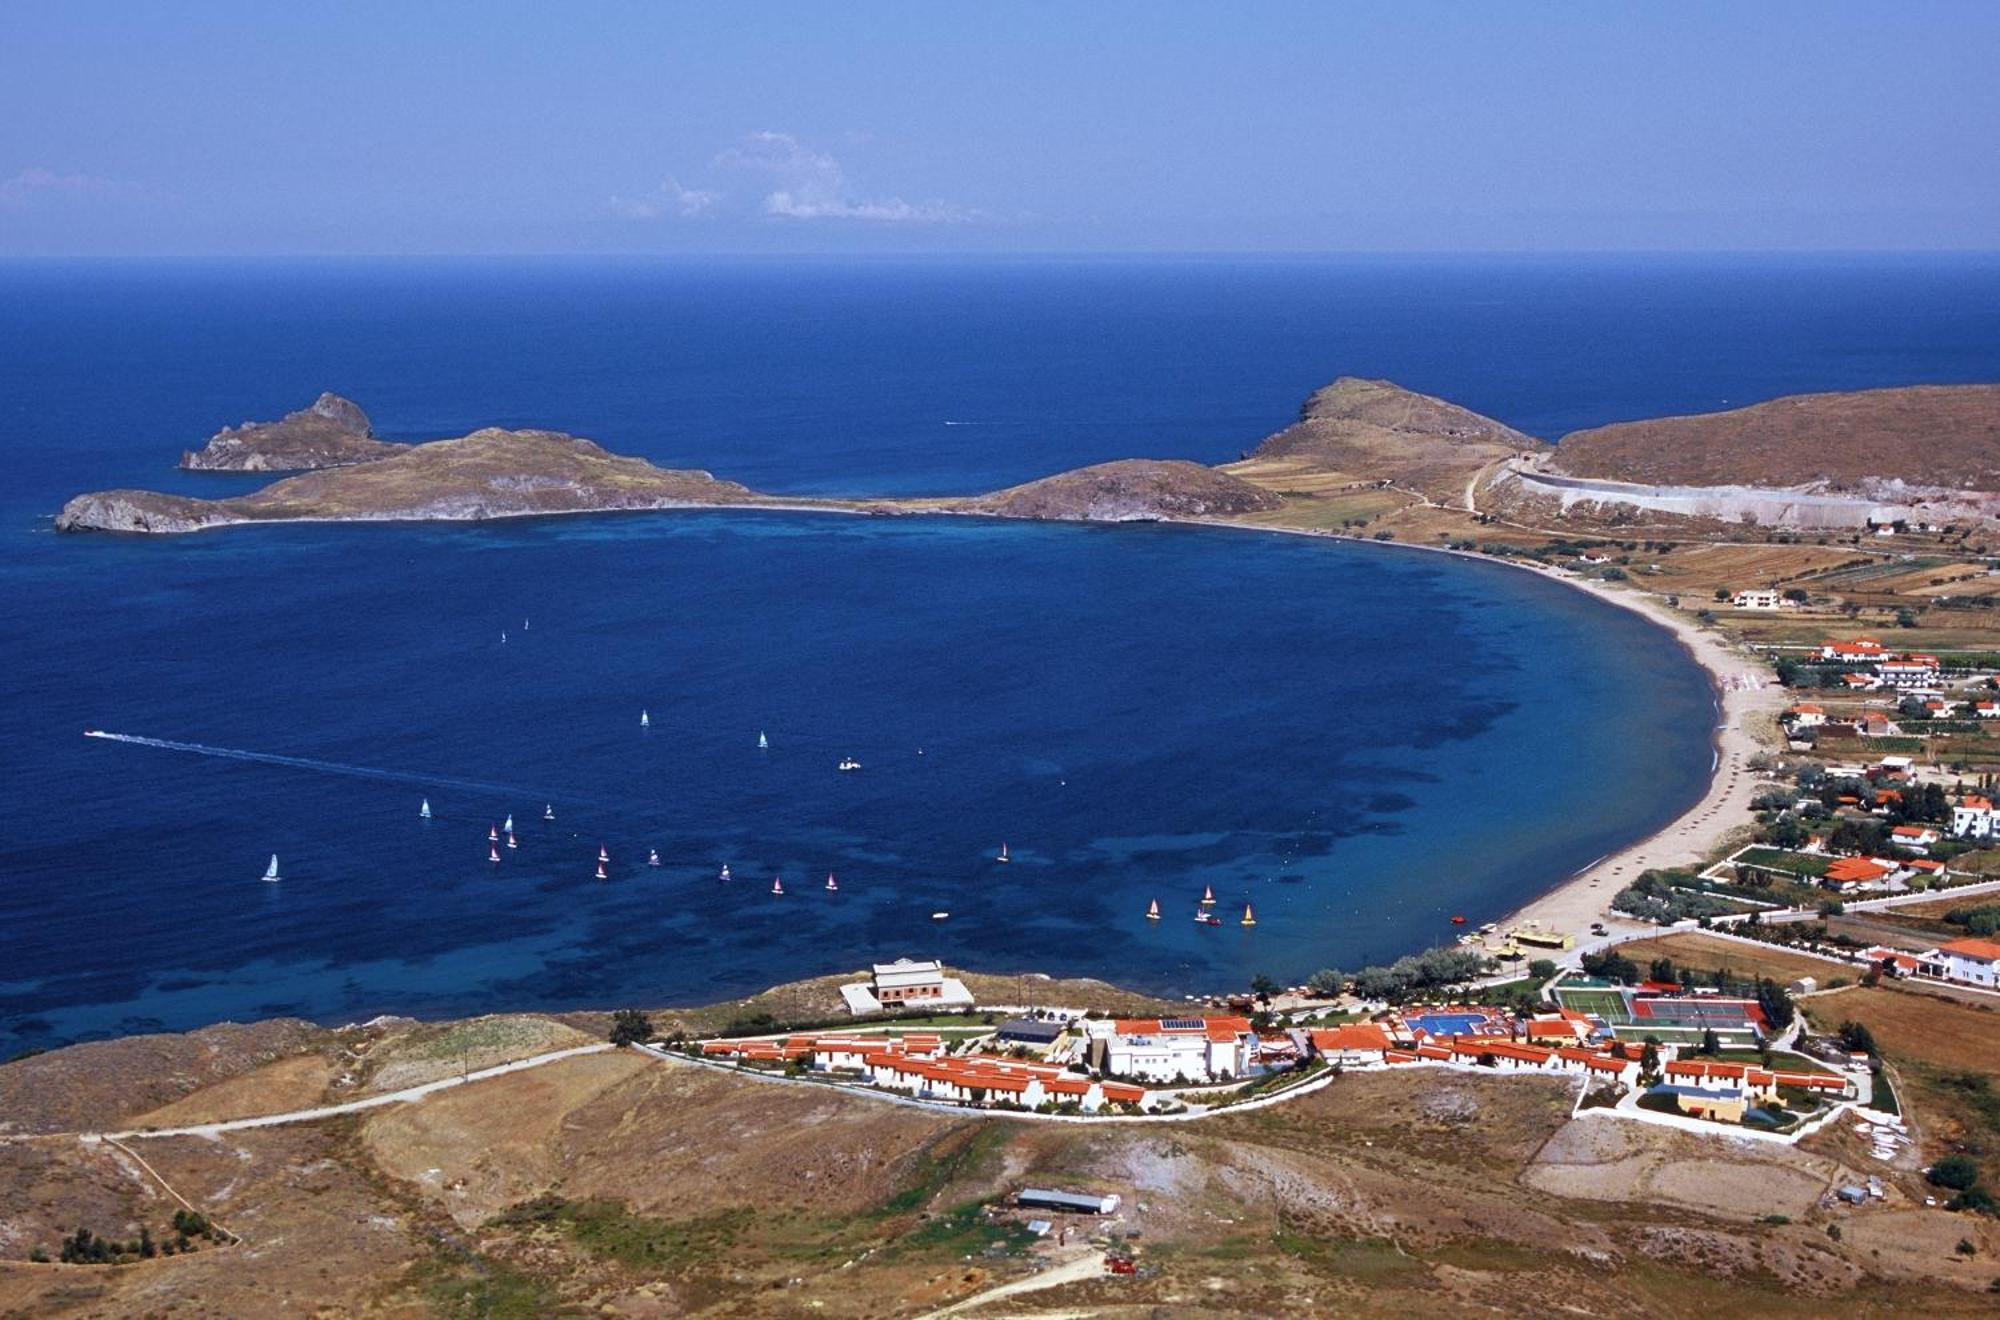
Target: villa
<point>1861,648</point>
<point>1968,962</point>
<point>1972,817</point>
<point>1764,599</point>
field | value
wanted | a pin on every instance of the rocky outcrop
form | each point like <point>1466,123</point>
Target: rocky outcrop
<point>1130,490</point>
<point>489,474</point>
<point>1377,430</point>
<point>333,432</point>
<point>1881,443</point>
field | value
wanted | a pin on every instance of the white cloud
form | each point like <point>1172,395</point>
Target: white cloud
<point>811,185</point>
<point>36,182</point>
<point>668,200</point>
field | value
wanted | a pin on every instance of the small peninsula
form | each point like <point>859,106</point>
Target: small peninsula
<point>333,432</point>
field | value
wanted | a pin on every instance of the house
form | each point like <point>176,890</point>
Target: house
<point>1861,648</point>
<point>1928,869</point>
<point>1716,1106</point>
<point>1165,1049</point>
<point>1917,838</point>
<point>1857,872</point>
<point>1875,725</point>
<point>1356,1043</point>
<point>1968,962</point>
<point>1897,962</point>
<point>1938,708</point>
<point>1806,715</point>
<point>1860,682</point>
<point>1763,599</point>
<point>906,982</point>
<point>1908,671</point>
<point>1972,817</point>
<point>1986,710</point>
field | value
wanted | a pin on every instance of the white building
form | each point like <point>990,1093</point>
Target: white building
<point>1968,962</point>
<point>906,982</point>
<point>1764,599</point>
<point>1163,1049</point>
<point>1909,671</point>
<point>1972,818</point>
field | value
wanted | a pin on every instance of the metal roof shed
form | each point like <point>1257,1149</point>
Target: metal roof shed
<point>1076,1203</point>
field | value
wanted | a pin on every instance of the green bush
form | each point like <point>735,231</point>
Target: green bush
<point>1957,1172</point>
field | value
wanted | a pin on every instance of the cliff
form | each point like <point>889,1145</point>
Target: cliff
<point>489,474</point>
<point>333,432</point>
<point>1936,437</point>
<point>1129,490</point>
<point>1377,430</point>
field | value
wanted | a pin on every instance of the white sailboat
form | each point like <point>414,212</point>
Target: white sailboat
<point>508,828</point>
<point>763,743</point>
<point>832,885</point>
<point>645,720</point>
<point>652,856</point>
<point>425,810</point>
<point>549,812</point>
<point>510,840</point>
<point>271,871</point>
<point>778,886</point>
<point>1003,857</point>
<point>725,872</point>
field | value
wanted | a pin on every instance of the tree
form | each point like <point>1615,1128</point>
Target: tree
<point>1710,1043</point>
<point>1856,1038</point>
<point>1542,969</point>
<point>1775,1003</point>
<point>630,1027</point>
<point>1263,986</point>
<point>1649,1059</point>
<point>1662,970</point>
<point>1326,982</point>
<point>1957,1172</point>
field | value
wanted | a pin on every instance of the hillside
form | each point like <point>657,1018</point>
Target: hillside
<point>333,432</point>
<point>1130,490</point>
<point>1375,430</point>
<point>1938,436</point>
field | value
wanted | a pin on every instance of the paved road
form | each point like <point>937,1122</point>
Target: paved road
<point>351,1106</point>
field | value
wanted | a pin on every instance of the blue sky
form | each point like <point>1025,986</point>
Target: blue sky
<point>219,128</point>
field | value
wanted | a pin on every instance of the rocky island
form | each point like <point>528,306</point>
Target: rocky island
<point>333,432</point>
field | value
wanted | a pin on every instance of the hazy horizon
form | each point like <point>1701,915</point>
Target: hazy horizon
<point>224,128</point>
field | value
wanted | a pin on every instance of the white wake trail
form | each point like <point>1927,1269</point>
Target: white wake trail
<point>307,763</point>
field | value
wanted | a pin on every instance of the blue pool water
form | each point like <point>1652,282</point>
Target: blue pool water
<point>1360,740</point>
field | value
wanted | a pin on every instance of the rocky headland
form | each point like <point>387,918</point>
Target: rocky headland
<point>333,432</point>
<point>1129,490</point>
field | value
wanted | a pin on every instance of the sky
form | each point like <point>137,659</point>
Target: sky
<point>207,128</point>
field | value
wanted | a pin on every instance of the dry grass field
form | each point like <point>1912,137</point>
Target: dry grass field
<point>1706,953</point>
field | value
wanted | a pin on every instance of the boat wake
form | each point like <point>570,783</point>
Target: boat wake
<point>308,763</point>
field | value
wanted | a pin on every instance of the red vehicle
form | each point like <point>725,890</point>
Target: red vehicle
<point>1121,1265</point>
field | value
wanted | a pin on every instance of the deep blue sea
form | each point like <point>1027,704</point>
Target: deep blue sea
<point>1360,740</point>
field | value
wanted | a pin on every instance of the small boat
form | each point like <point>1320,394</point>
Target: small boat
<point>503,637</point>
<point>1208,896</point>
<point>1458,921</point>
<point>492,834</point>
<point>778,886</point>
<point>524,625</point>
<point>940,916</point>
<point>492,852</point>
<point>271,871</point>
<point>652,856</point>
<point>600,872</point>
<point>832,885</point>
<point>763,743</point>
<point>549,812</point>
<point>425,810</point>
<point>508,827</point>
<point>603,853</point>
<point>1003,857</point>
<point>849,763</point>
<point>725,872</point>
<point>510,840</point>
<point>1249,917</point>
<point>1153,910</point>
<point>1206,918</point>
<point>645,720</point>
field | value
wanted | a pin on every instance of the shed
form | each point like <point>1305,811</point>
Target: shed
<point>1076,1203</point>
<point>1029,1031</point>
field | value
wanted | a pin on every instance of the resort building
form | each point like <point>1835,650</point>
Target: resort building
<point>1909,671</point>
<point>1354,1044</point>
<point>1765,599</point>
<point>1858,873</point>
<point>906,983</point>
<point>1860,648</point>
<point>1173,1049</point>
<point>1968,962</point>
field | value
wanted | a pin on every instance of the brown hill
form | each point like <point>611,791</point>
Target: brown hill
<point>1130,490</point>
<point>332,432</point>
<point>488,474</point>
<point>1926,435</point>
<point>1377,430</point>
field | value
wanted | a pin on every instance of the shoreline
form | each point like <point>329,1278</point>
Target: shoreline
<point>1572,904</point>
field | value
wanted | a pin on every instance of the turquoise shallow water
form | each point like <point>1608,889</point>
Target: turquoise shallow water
<point>1360,740</point>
